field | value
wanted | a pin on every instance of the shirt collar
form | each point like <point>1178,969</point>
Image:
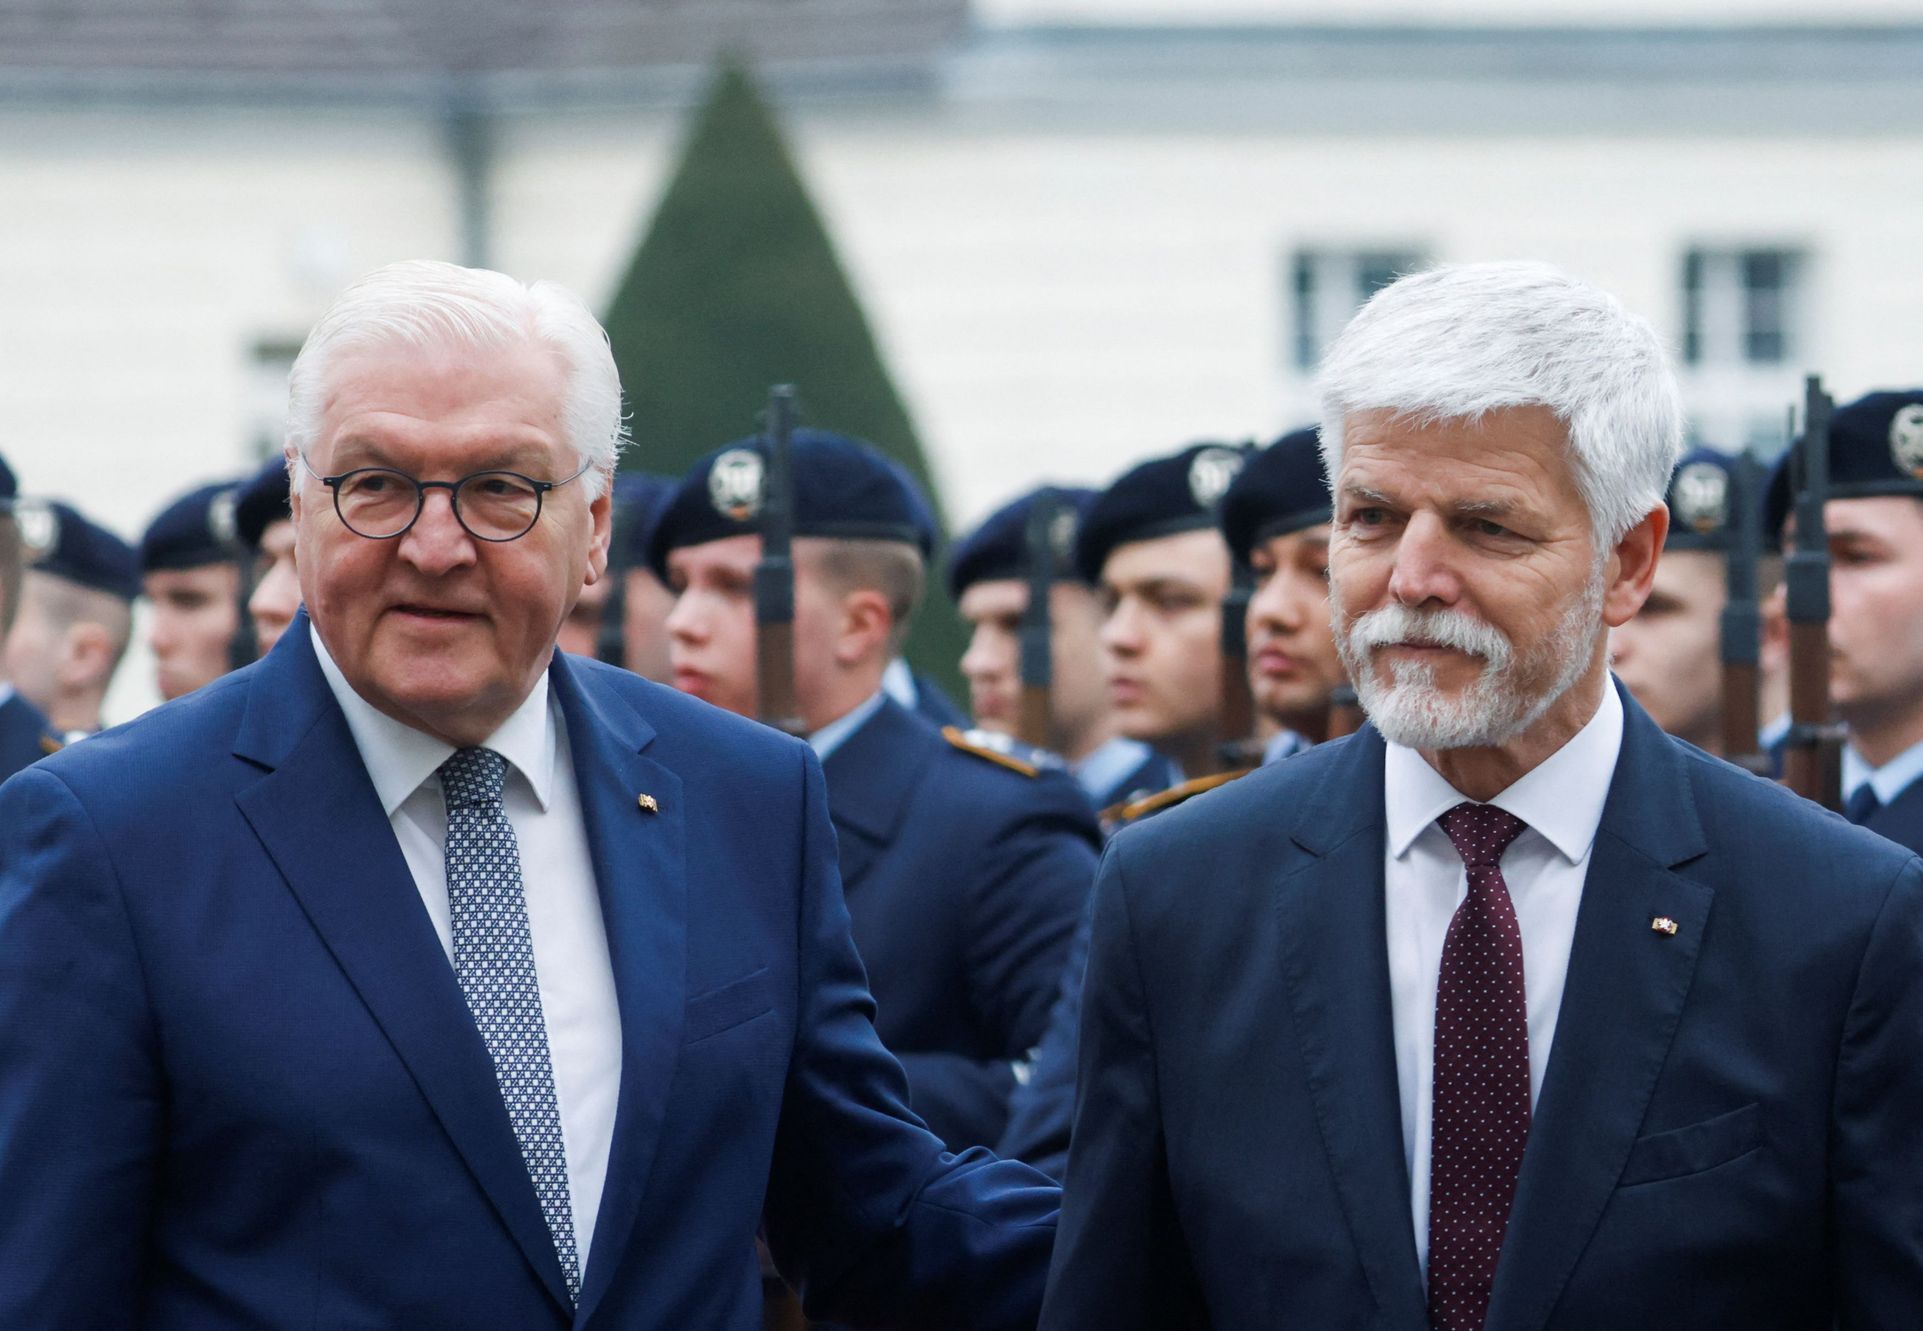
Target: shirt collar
<point>400,758</point>
<point>1889,780</point>
<point>1561,798</point>
<point>1282,744</point>
<point>6,694</point>
<point>898,681</point>
<point>1102,770</point>
<point>831,736</point>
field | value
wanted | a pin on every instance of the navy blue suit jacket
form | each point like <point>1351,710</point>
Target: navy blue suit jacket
<point>964,880</point>
<point>24,736</point>
<point>1727,1135</point>
<point>239,1086</point>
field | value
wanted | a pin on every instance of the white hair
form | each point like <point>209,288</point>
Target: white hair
<point>425,303</point>
<point>1459,341</point>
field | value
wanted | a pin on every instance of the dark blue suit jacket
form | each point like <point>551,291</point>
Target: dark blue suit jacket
<point>964,880</point>
<point>239,1086</point>
<point>24,736</point>
<point>1727,1134</point>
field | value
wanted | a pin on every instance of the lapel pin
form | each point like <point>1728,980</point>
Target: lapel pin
<point>1662,924</point>
<point>649,804</point>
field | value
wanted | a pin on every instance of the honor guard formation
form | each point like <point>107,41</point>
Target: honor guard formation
<point>1450,867</point>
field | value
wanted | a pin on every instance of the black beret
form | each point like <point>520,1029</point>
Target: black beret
<point>843,488</point>
<point>61,542</point>
<point>1701,513</point>
<point>998,548</point>
<point>1876,448</point>
<point>639,500</point>
<point>8,486</point>
<point>261,501</point>
<point>1160,497</point>
<point>1278,491</point>
<point>196,529</point>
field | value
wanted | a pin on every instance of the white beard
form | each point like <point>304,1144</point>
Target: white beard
<point>1413,711</point>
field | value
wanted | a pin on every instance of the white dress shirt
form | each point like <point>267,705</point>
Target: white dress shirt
<point>557,875</point>
<point>1561,800</point>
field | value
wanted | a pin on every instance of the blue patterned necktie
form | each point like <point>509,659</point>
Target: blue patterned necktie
<point>494,963</point>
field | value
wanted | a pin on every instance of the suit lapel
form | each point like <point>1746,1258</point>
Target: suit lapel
<point>319,819</point>
<point>1622,1000</point>
<point>640,868</point>
<point>1337,969</point>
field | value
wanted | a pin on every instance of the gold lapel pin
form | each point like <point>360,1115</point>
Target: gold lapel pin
<point>1662,924</point>
<point>648,803</point>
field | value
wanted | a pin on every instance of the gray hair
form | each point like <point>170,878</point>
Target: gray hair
<point>425,303</point>
<point>1459,341</point>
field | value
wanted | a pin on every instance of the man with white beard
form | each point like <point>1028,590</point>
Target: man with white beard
<point>1509,1010</point>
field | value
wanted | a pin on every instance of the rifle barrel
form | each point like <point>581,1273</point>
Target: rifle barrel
<point>1036,722</point>
<point>1812,764</point>
<point>774,579</point>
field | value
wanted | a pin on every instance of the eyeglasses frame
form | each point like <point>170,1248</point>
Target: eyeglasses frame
<point>421,487</point>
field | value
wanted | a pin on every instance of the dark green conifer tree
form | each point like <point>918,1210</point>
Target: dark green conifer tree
<point>735,287</point>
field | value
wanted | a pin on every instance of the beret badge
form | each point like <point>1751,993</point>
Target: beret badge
<point>1702,497</point>
<point>1906,440</point>
<point>736,483</point>
<point>39,528</point>
<point>1210,474</point>
<point>221,522</point>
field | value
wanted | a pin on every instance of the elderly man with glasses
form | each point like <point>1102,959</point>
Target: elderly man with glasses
<point>422,976</point>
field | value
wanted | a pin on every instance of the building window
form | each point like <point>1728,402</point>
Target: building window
<point>1328,285</point>
<point>269,361</point>
<point>1740,306</point>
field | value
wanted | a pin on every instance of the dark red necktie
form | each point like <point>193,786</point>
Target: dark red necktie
<point>1481,1116</point>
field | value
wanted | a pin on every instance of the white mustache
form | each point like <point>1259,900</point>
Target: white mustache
<point>1430,628</point>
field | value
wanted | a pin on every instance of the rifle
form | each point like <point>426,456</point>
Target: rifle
<point>1236,745</point>
<point>774,581</point>
<point>1036,724</point>
<point>1345,712</point>
<point>1813,758</point>
<point>1742,625</point>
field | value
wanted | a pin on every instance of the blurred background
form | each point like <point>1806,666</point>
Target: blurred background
<point>1008,240</point>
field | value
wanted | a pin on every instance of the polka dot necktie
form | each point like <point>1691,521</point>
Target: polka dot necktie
<point>1481,1111</point>
<point>494,963</point>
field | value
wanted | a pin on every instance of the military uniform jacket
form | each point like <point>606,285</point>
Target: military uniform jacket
<point>24,736</point>
<point>1901,820</point>
<point>964,880</point>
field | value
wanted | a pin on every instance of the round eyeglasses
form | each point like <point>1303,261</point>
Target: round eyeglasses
<point>382,503</point>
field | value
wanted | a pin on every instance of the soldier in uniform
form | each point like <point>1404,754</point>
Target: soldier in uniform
<point>192,582</point>
<point>1275,518</point>
<point>989,577</point>
<point>1874,521</point>
<point>965,860</point>
<point>25,736</point>
<point>1669,656</point>
<point>265,527</point>
<point>1149,543</point>
<point>75,617</point>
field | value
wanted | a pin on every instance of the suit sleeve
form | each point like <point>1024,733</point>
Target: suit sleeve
<point>1041,1113</point>
<point>1121,1262</point>
<point>1877,1150</point>
<point>1023,903</point>
<point>866,1214</point>
<point>81,1100</point>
